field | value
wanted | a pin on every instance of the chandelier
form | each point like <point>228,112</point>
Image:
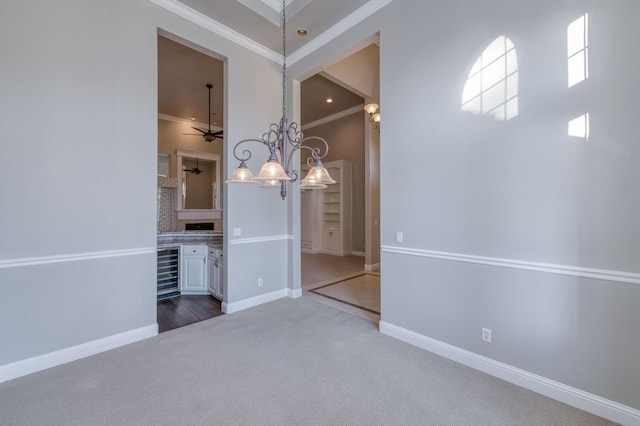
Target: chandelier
<point>282,140</point>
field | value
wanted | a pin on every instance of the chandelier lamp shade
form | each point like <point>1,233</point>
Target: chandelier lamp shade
<point>282,140</point>
<point>374,115</point>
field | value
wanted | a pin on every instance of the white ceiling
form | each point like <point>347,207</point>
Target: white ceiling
<point>259,20</point>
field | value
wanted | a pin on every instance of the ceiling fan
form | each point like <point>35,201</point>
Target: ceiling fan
<point>195,170</point>
<point>208,135</point>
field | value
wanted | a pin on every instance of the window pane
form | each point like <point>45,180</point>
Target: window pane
<point>493,97</point>
<point>576,67</point>
<point>493,73</point>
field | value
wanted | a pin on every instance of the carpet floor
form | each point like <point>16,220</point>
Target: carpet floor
<point>288,362</point>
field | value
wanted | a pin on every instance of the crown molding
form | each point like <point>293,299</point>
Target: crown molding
<point>216,27</point>
<point>354,18</point>
<point>333,117</point>
<point>189,123</point>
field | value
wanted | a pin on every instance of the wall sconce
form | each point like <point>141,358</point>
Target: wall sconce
<point>374,115</point>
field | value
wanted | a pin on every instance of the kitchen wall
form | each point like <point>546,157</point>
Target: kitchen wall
<point>511,225</point>
<point>77,255</point>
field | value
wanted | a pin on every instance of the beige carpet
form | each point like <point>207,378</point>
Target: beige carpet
<point>288,362</point>
<point>361,291</point>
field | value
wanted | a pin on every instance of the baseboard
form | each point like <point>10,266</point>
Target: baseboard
<point>357,253</point>
<point>370,268</point>
<point>62,356</point>
<point>575,397</point>
<point>241,305</point>
<point>294,293</point>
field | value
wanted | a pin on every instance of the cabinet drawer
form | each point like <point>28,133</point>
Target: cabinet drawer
<point>194,250</point>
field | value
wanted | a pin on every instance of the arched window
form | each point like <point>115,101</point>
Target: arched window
<point>492,85</point>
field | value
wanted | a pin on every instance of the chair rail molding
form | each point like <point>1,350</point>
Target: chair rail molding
<point>601,274</point>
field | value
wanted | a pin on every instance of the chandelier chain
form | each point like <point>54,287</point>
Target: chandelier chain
<point>284,60</point>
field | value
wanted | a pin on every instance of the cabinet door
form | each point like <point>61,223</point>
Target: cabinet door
<point>331,240</point>
<point>213,276</point>
<point>221,279</point>
<point>194,270</point>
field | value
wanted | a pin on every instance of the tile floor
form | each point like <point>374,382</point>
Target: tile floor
<point>342,278</point>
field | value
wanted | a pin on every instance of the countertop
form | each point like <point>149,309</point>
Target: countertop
<point>172,239</point>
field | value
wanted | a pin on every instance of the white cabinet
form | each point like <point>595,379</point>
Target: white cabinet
<point>193,269</point>
<point>216,273</point>
<point>336,207</point>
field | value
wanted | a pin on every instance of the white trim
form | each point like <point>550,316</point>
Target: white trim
<point>601,274</point>
<point>62,356</point>
<point>241,305</point>
<point>218,28</point>
<point>569,395</point>
<point>357,253</point>
<point>333,117</point>
<point>260,239</point>
<point>354,18</point>
<point>371,267</point>
<point>43,260</point>
<point>186,122</point>
<point>294,293</point>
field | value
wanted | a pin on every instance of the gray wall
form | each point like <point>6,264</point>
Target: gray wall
<point>520,190</point>
<point>78,113</point>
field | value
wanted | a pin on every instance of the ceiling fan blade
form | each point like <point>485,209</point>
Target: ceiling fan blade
<point>200,130</point>
<point>191,134</point>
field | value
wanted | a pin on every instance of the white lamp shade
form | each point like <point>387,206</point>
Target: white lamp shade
<point>376,117</point>
<point>271,183</point>
<point>309,182</point>
<point>318,174</point>
<point>242,174</point>
<point>272,170</point>
<point>371,108</point>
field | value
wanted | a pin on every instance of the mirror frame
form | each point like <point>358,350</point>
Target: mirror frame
<point>186,214</point>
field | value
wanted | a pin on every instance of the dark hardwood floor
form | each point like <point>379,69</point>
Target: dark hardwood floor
<point>184,310</point>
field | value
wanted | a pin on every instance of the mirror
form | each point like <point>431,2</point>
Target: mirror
<point>199,183</point>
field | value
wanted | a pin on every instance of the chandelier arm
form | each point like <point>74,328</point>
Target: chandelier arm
<point>316,153</point>
<point>246,153</point>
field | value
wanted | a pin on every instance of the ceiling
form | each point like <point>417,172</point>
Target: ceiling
<point>184,72</point>
<point>259,20</point>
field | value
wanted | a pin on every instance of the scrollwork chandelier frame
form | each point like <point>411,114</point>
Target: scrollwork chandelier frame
<point>282,140</point>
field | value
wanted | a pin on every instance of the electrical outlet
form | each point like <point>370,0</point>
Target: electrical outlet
<point>260,282</point>
<point>237,232</point>
<point>486,335</point>
<point>399,237</point>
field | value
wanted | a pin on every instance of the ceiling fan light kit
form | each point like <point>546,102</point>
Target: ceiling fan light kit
<point>282,140</point>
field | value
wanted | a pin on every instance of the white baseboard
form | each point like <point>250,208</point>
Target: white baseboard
<point>569,395</point>
<point>370,268</point>
<point>357,253</point>
<point>62,356</point>
<point>294,293</point>
<point>229,308</point>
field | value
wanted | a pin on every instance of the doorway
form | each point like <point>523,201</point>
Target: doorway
<point>340,239</point>
<point>189,216</point>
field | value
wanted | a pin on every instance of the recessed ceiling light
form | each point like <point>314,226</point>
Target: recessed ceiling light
<point>192,118</point>
<point>302,32</point>
<point>329,100</point>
